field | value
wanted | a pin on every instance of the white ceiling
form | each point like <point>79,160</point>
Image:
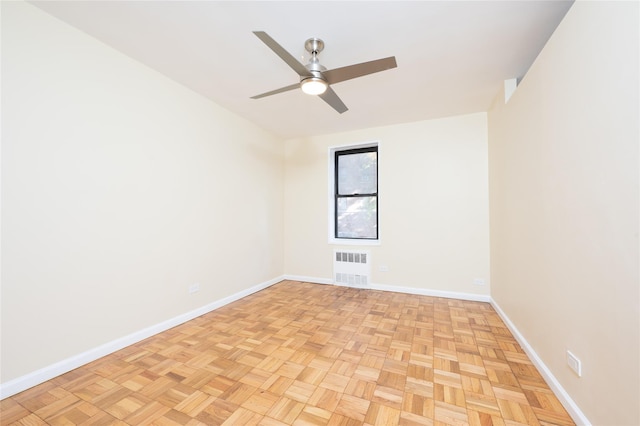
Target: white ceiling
<point>452,56</point>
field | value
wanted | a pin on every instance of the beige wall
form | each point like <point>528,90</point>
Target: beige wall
<point>120,188</point>
<point>433,204</point>
<point>563,167</point>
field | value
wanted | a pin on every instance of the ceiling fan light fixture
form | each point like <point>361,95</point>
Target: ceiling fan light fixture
<point>314,78</point>
<point>314,86</point>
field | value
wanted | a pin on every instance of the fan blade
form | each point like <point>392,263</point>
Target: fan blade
<point>284,55</point>
<point>280,90</point>
<point>358,70</point>
<point>330,97</point>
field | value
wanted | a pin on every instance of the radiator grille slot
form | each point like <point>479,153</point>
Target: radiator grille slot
<point>352,267</point>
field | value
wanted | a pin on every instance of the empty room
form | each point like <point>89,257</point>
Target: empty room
<point>320,213</point>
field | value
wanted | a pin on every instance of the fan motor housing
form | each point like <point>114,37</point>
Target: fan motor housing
<point>315,67</point>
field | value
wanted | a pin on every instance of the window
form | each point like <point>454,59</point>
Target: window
<point>355,203</point>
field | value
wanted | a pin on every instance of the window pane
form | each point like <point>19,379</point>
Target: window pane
<point>357,217</point>
<point>357,173</point>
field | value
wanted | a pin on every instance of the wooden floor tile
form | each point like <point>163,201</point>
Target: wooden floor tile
<point>308,355</point>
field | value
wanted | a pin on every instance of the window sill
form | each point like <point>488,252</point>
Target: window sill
<point>353,242</point>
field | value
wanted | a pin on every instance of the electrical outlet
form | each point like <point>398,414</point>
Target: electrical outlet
<point>574,363</point>
<point>384,268</point>
<point>478,281</point>
<point>194,288</point>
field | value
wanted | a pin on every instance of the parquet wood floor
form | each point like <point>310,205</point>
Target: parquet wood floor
<point>308,354</point>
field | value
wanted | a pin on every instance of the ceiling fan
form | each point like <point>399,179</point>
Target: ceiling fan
<point>316,79</point>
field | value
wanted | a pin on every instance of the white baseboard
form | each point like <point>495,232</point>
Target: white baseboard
<point>34,378</point>
<point>569,404</point>
<point>433,293</point>
<point>313,280</point>
<point>409,290</point>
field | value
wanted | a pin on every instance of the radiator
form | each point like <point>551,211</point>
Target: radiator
<point>352,267</point>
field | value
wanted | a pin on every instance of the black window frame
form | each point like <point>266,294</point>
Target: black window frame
<point>337,196</point>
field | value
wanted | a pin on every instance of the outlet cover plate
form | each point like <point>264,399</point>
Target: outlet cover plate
<point>574,363</point>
